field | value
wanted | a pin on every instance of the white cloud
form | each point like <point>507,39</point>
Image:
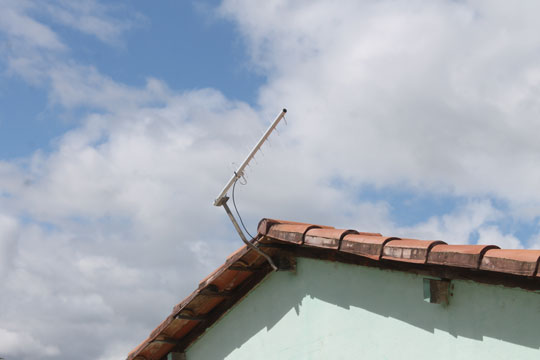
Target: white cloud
<point>19,26</point>
<point>435,95</point>
<point>74,86</point>
<point>119,216</point>
<point>117,351</point>
<point>92,18</point>
<point>534,241</point>
<point>492,235</point>
<point>458,226</point>
<point>115,225</point>
<point>34,51</point>
<point>8,234</point>
<point>24,345</point>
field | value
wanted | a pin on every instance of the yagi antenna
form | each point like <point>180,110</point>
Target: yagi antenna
<point>222,198</point>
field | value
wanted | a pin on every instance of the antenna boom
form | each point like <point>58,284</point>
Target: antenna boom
<point>222,198</point>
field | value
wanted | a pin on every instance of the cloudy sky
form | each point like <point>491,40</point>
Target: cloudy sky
<point>121,121</point>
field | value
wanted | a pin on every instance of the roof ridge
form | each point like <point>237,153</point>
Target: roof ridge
<point>410,250</point>
<point>245,268</point>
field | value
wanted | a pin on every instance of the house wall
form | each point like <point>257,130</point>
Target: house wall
<point>332,310</point>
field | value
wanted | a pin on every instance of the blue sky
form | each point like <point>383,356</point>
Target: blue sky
<point>180,42</point>
<point>120,122</point>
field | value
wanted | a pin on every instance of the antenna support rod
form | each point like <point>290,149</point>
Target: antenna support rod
<point>222,198</point>
<point>243,237</point>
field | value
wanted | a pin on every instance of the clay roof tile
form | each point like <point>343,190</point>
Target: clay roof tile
<point>326,238</point>
<point>467,256</point>
<point>291,233</point>
<point>245,268</point>
<point>518,262</point>
<point>409,250</point>
<point>367,245</point>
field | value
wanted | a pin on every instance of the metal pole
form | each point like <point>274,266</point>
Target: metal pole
<point>222,199</point>
<point>243,237</point>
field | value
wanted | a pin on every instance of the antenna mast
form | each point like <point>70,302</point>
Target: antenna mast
<point>222,198</point>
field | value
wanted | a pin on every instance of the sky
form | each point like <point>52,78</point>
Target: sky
<point>120,122</point>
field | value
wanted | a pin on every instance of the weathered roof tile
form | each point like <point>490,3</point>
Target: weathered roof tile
<point>265,225</point>
<point>369,246</point>
<point>291,233</point>
<point>326,238</point>
<point>518,262</point>
<point>467,256</point>
<point>409,250</point>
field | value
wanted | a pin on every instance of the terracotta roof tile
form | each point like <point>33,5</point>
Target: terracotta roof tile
<point>265,224</point>
<point>291,233</point>
<point>245,268</point>
<point>518,262</point>
<point>467,256</point>
<point>326,238</point>
<point>409,250</point>
<point>241,251</point>
<point>369,246</point>
<point>241,257</point>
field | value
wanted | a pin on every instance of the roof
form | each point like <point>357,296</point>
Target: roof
<point>284,241</point>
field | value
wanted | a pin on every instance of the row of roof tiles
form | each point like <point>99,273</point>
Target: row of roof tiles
<point>378,247</point>
<point>245,268</point>
<point>215,295</point>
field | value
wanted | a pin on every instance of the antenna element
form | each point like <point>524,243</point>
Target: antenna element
<point>238,173</point>
<point>222,198</point>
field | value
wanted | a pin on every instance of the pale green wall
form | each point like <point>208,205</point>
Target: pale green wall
<point>337,311</point>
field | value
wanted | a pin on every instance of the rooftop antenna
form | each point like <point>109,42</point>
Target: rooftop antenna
<point>222,198</point>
